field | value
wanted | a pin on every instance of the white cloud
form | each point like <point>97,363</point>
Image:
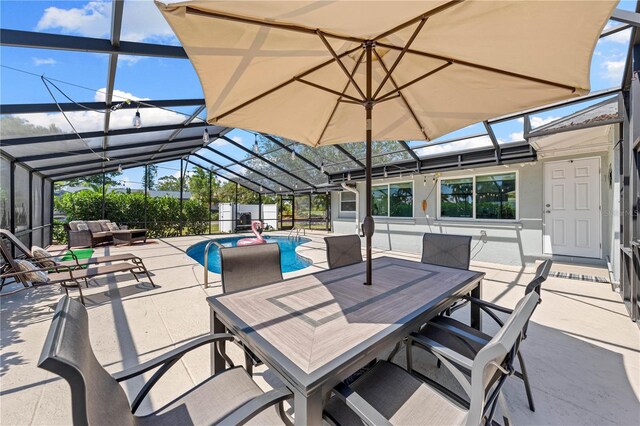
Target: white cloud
<point>44,61</point>
<point>612,70</point>
<point>85,121</point>
<point>141,21</point>
<point>516,136</point>
<point>537,121</point>
<point>621,37</point>
<point>477,142</point>
<point>237,139</point>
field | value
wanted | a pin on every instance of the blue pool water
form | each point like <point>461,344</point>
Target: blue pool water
<point>289,260</point>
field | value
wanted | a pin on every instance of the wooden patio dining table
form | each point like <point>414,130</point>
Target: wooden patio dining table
<point>315,330</point>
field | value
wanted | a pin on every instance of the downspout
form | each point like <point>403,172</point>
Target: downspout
<point>355,191</point>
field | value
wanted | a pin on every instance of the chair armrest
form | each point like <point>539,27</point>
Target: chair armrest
<point>489,305</point>
<point>457,332</point>
<point>15,274</point>
<point>367,413</point>
<point>172,355</point>
<point>252,408</point>
<point>165,362</point>
<point>438,348</point>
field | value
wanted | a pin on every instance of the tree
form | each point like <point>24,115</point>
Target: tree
<point>168,183</point>
<point>149,176</point>
<point>199,184</point>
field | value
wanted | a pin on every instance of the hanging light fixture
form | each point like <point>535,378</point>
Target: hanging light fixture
<point>425,181</point>
<point>322,166</point>
<point>349,176</point>
<point>293,153</point>
<point>260,188</point>
<point>119,168</point>
<point>256,148</point>
<point>205,136</point>
<point>137,122</point>
<point>385,172</point>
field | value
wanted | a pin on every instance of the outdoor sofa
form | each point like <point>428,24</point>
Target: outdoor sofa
<point>94,232</point>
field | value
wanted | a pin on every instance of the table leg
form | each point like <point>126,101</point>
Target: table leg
<point>476,313</point>
<point>308,409</point>
<point>218,363</point>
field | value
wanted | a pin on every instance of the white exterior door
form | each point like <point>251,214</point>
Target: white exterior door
<point>572,212</point>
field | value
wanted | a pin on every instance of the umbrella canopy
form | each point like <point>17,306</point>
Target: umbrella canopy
<point>328,72</point>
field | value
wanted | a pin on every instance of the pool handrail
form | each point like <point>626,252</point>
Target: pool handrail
<point>206,261</point>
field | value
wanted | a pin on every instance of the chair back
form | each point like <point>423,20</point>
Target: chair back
<point>246,267</point>
<point>496,355</point>
<point>15,241</point>
<point>96,397</point>
<point>453,251</point>
<point>542,272</point>
<point>343,250</point>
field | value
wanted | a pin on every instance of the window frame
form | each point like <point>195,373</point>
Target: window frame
<point>355,201</point>
<point>413,199</point>
<point>473,198</point>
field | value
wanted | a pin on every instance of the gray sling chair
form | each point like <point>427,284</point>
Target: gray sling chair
<point>387,394</point>
<point>75,262</point>
<point>246,267</point>
<point>229,397</point>
<point>343,250</point>
<point>69,276</point>
<point>468,341</point>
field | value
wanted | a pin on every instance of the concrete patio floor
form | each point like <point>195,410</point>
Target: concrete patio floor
<point>582,350</point>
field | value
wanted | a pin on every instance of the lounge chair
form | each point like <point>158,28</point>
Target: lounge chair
<point>66,276</point>
<point>229,397</point>
<point>67,263</point>
<point>343,250</point>
<point>453,251</point>
<point>468,341</point>
<point>387,394</point>
<point>247,267</point>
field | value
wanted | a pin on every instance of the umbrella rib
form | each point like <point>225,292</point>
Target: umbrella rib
<point>281,85</point>
<point>326,89</point>
<point>335,108</point>
<point>415,80</point>
<point>398,91</point>
<point>399,58</point>
<point>252,21</point>
<point>339,61</point>
<point>418,18</point>
<point>482,67</point>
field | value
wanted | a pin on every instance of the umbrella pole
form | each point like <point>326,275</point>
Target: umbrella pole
<point>369,225</point>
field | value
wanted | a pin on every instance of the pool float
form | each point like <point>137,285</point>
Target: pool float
<point>253,241</point>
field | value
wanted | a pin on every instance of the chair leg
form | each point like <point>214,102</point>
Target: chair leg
<point>394,352</point>
<point>86,282</point>
<point>149,276</point>
<point>248,362</point>
<point>80,290</point>
<point>525,379</point>
<point>135,276</point>
<point>409,347</point>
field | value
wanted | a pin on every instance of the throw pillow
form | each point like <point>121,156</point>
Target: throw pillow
<point>113,227</point>
<point>83,227</point>
<point>31,273</point>
<point>42,257</point>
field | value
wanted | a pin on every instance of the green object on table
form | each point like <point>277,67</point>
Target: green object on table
<point>80,254</point>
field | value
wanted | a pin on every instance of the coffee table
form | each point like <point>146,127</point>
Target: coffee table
<point>129,236</point>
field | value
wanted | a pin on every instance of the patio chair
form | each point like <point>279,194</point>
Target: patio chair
<point>229,397</point>
<point>343,250</point>
<point>69,263</point>
<point>468,341</point>
<point>247,267</point>
<point>66,276</point>
<point>387,394</point>
<point>453,251</point>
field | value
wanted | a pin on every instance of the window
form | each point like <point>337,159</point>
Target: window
<point>456,197</point>
<point>479,197</point>
<point>393,200</point>
<point>496,196</point>
<point>347,201</point>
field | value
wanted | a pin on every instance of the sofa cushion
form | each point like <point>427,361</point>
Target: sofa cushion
<point>101,234</point>
<point>113,226</point>
<point>73,225</point>
<point>81,226</point>
<point>94,226</point>
<point>104,224</point>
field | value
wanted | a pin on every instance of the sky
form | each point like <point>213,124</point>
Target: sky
<point>140,78</point>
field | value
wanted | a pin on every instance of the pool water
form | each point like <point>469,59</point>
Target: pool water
<point>289,260</point>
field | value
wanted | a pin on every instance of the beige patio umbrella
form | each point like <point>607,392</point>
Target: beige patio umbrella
<point>330,72</point>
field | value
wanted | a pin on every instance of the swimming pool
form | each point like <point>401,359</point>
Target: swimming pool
<point>289,260</point>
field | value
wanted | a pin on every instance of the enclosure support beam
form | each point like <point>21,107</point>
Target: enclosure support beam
<point>182,167</point>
